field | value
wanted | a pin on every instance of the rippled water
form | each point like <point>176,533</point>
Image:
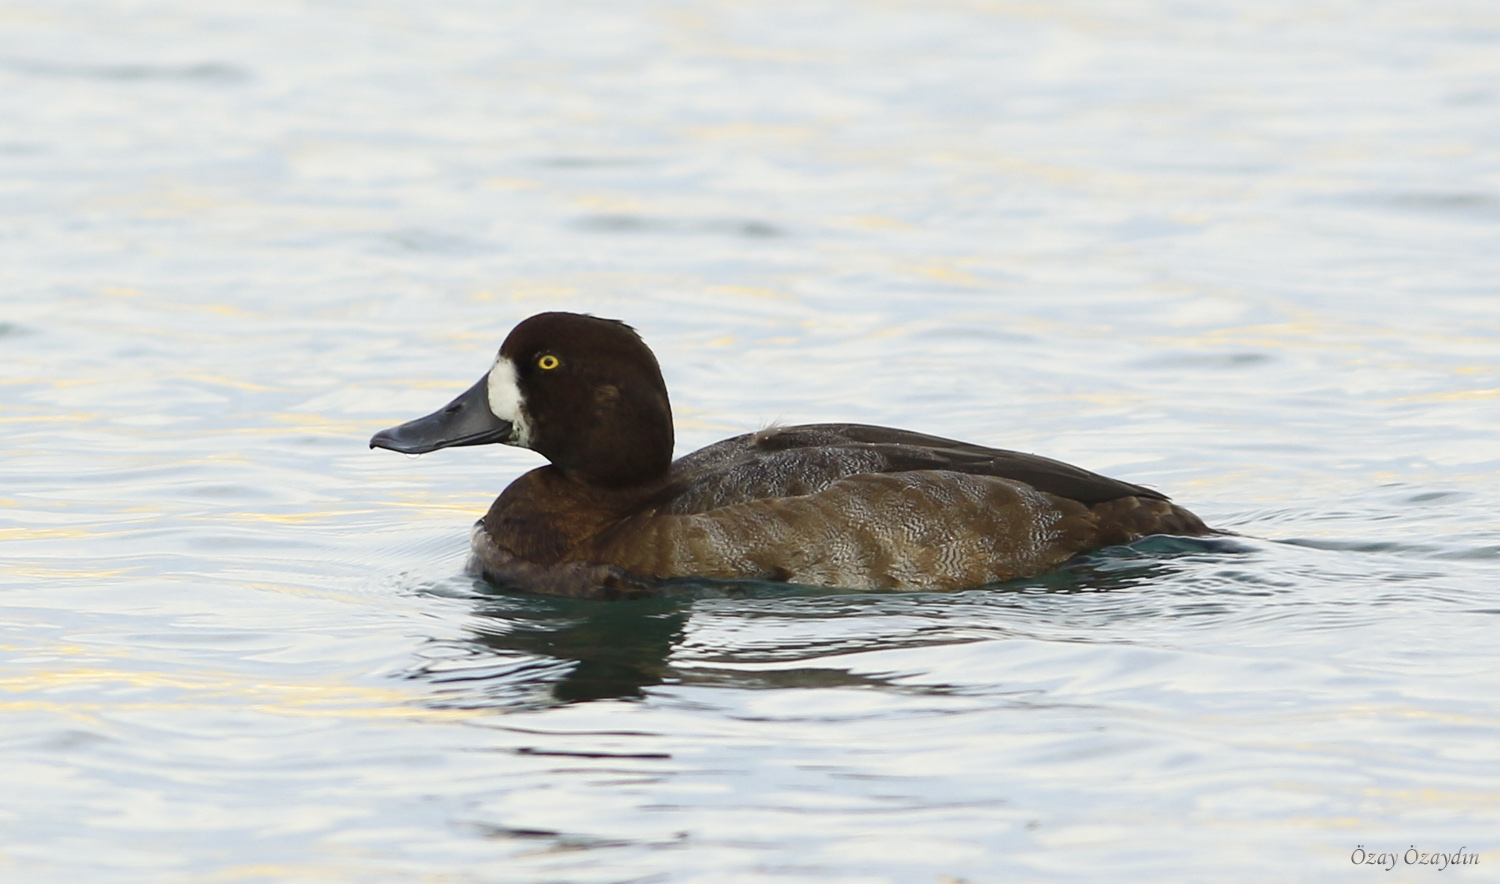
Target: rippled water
<point>1244,252</point>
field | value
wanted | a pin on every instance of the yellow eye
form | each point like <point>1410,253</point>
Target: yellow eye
<point>548,362</point>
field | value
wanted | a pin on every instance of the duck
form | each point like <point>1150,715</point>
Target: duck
<point>848,506</point>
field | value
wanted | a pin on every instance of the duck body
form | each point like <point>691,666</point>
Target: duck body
<point>838,505</point>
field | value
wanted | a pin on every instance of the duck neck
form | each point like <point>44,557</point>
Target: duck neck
<point>546,513</point>
<point>623,444</point>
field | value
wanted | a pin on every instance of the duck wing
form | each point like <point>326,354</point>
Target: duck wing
<point>792,461</point>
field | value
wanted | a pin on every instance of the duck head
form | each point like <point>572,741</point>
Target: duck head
<point>586,393</point>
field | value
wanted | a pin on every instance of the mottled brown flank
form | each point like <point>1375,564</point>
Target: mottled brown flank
<point>815,505</point>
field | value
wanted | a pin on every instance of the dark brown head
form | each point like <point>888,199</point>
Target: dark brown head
<point>584,392</point>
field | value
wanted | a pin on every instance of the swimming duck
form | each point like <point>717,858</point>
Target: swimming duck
<point>838,505</point>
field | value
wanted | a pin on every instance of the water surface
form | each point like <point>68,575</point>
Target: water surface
<point>1242,252</point>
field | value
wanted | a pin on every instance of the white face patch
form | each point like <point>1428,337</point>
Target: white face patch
<point>506,401</point>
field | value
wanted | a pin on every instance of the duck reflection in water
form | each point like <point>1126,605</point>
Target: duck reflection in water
<point>577,650</point>
<point>616,650</point>
<point>584,649</point>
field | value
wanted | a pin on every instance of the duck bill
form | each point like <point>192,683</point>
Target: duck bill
<point>466,420</point>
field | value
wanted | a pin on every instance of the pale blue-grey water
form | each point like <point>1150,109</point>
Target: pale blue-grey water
<point>1245,252</point>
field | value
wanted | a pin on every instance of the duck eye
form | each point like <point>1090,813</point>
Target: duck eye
<point>548,362</point>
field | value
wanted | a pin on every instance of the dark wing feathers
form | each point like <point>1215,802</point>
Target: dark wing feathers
<point>748,467</point>
<point>1042,473</point>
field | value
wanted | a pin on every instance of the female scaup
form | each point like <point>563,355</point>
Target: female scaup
<point>841,505</point>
